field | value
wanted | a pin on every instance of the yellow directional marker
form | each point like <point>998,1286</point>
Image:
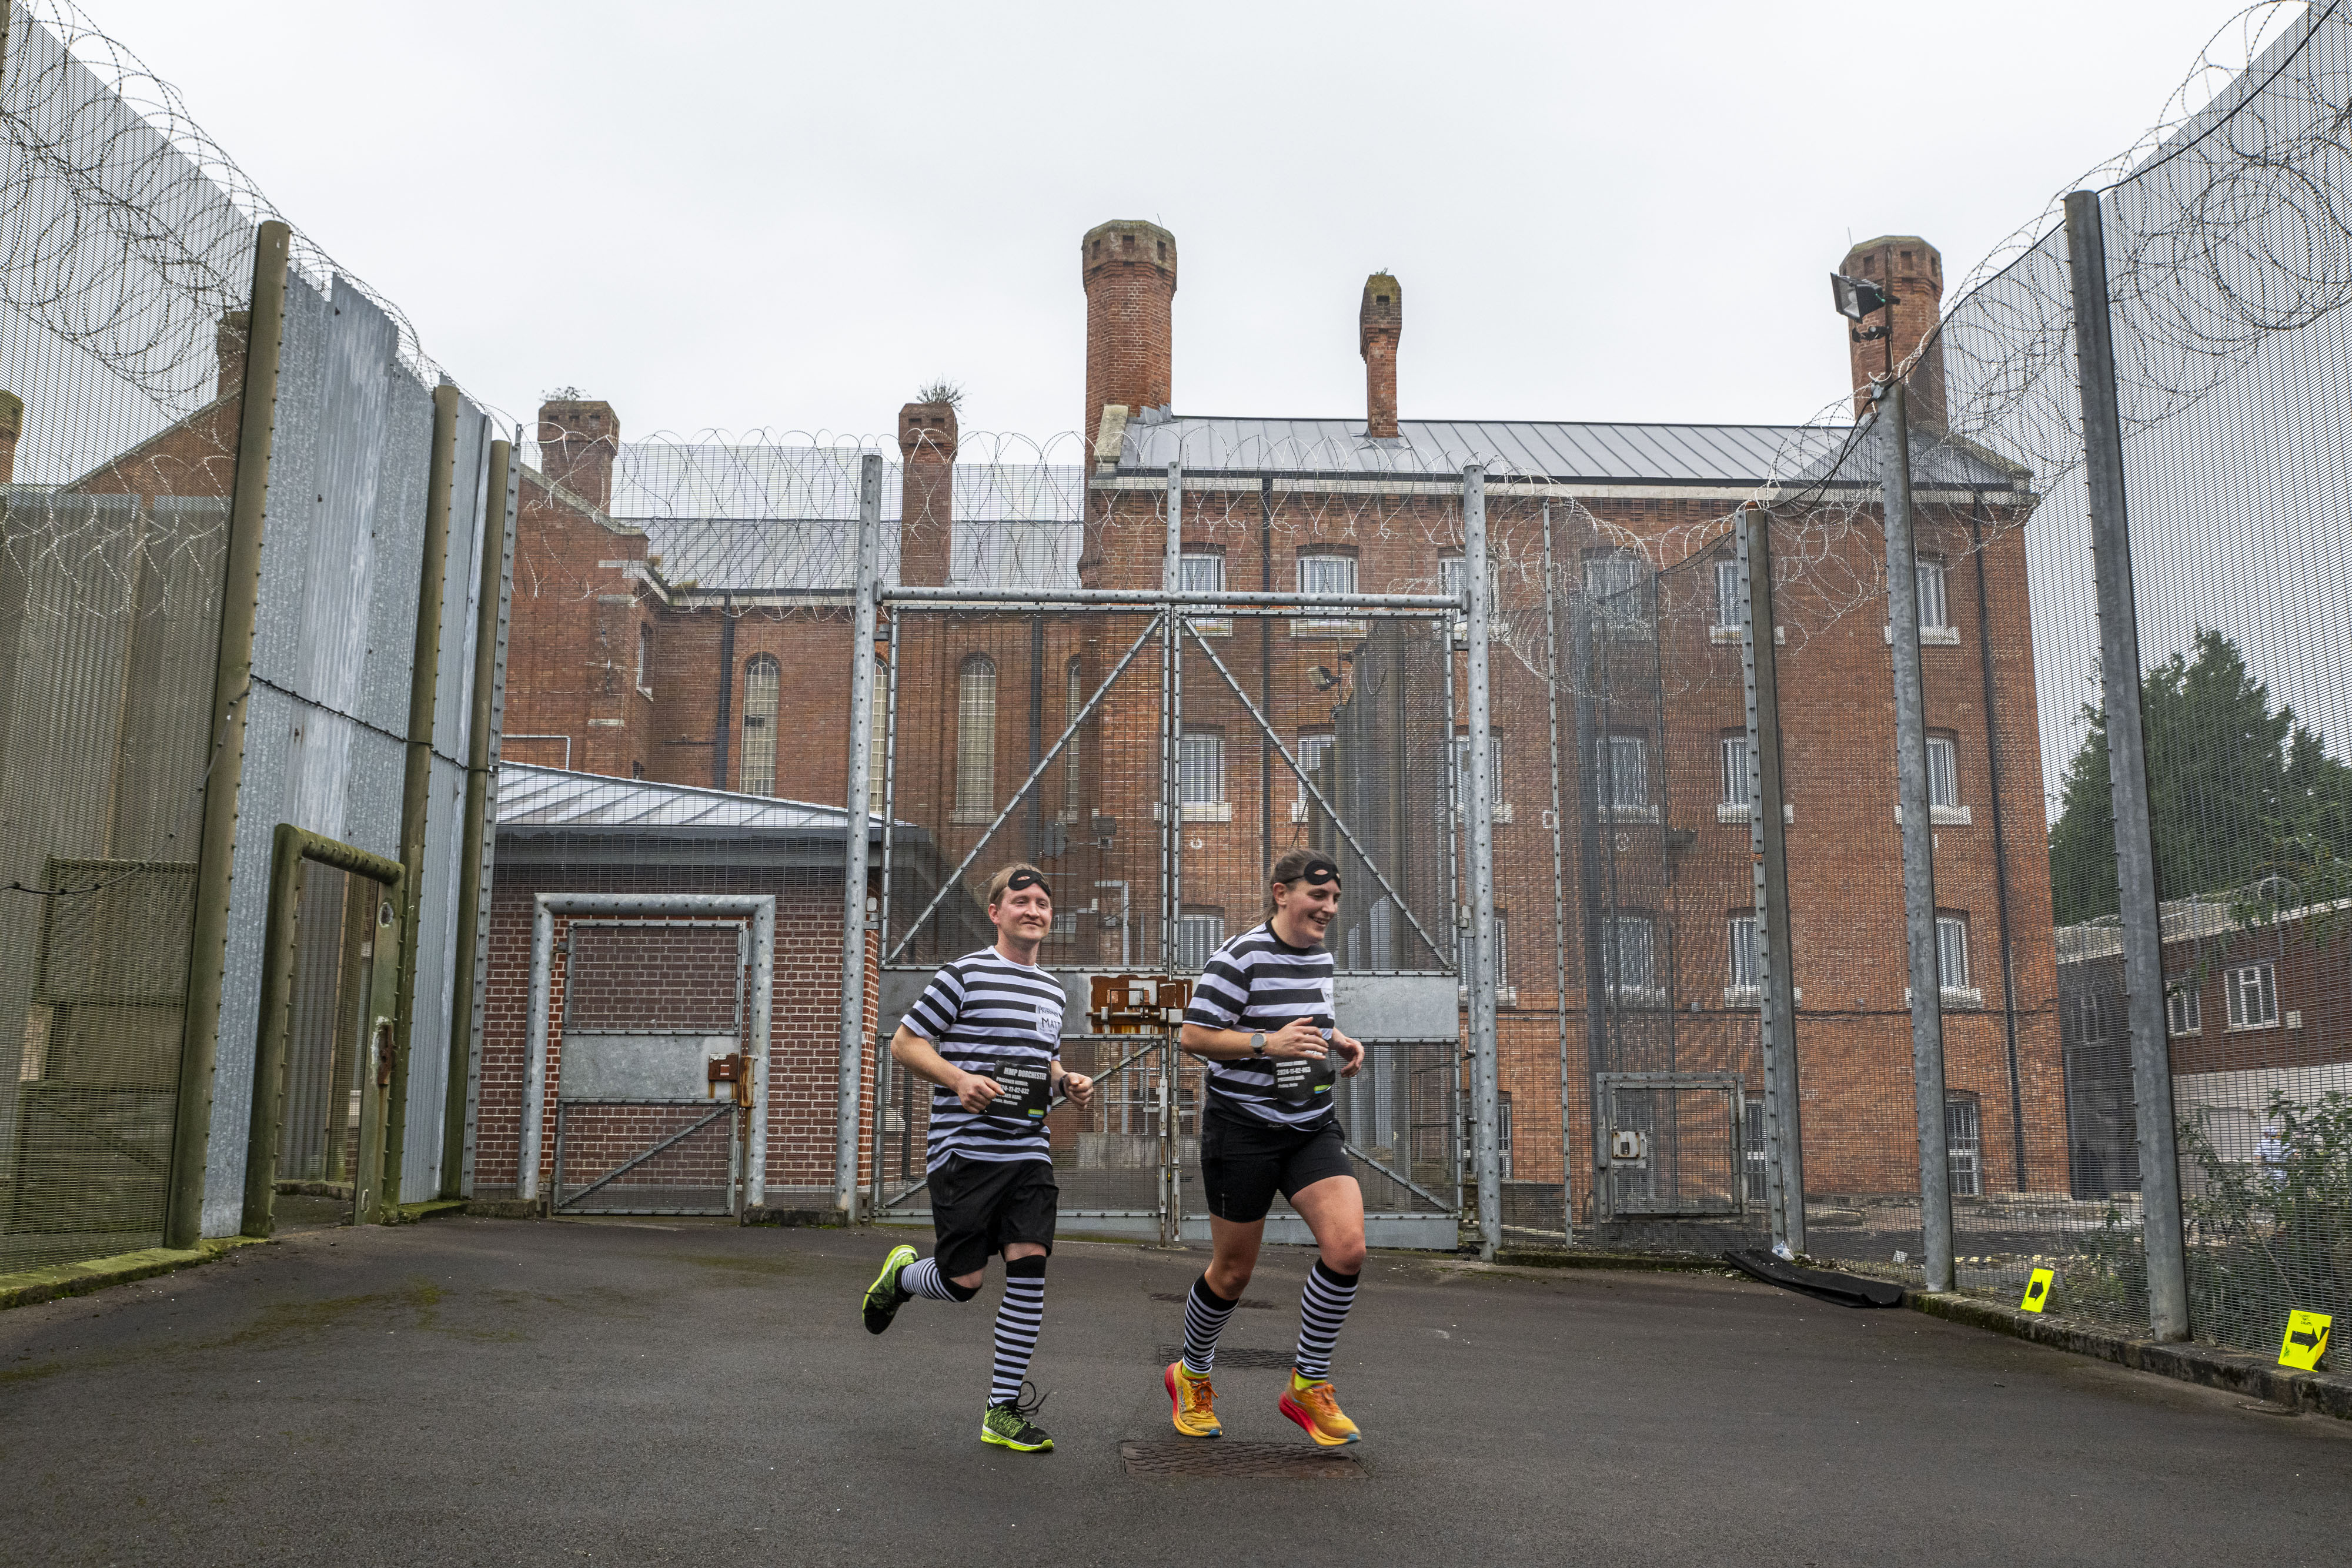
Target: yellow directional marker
<point>2037,1292</point>
<point>2305,1342</point>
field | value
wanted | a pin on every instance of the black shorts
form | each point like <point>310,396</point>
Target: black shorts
<point>1244,1161</point>
<point>979,1205</point>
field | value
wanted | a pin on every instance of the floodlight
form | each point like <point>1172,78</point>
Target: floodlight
<point>1857,298</point>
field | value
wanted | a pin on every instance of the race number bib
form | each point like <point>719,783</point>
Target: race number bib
<point>1027,1086</point>
<point>1301,1081</point>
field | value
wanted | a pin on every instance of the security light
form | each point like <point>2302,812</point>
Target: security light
<point>1857,298</point>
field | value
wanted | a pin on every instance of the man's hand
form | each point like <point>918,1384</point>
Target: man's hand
<point>1079,1087</point>
<point>975,1092</point>
<point>1352,1053</point>
<point>1299,1037</point>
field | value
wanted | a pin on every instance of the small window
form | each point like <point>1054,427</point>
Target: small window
<point>1501,951</point>
<point>1930,578</point>
<point>1727,594</point>
<point>1618,587</point>
<point>1503,1132</point>
<point>1629,958</point>
<point>1735,770</point>
<point>637,770</point>
<point>1753,1150</point>
<point>2184,1008</point>
<point>1324,576</point>
<point>976,737</point>
<point>2253,992</point>
<point>1454,579</point>
<point>1964,1148</point>
<point>1197,938</point>
<point>645,655</point>
<point>1623,772</point>
<point>1952,952</point>
<point>1204,571</point>
<point>760,684</point>
<point>1743,976</point>
<point>1494,769</point>
<point>1073,699</point>
<point>1313,751</point>
<point>1201,768</point>
<point>1943,772</point>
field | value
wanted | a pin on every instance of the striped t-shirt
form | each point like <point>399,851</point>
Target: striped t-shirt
<point>1259,982</point>
<point>982,1012</point>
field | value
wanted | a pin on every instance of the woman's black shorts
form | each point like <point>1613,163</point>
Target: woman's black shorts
<point>977,1207</point>
<point>1244,1161</point>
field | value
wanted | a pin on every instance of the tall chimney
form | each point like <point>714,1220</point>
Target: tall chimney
<point>229,341</point>
<point>1128,267</point>
<point>578,437</point>
<point>927,450</point>
<point>1912,270</point>
<point>12,425</point>
<point>1379,325</point>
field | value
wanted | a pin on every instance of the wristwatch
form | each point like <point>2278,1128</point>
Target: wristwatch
<point>1258,1044</point>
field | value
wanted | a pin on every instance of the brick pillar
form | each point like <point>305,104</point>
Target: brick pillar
<point>577,439</point>
<point>1129,269</point>
<point>1379,325</point>
<point>1913,271</point>
<point>927,447</point>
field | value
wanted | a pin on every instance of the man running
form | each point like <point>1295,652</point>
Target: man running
<point>1260,1018</point>
<point>988,1034</point>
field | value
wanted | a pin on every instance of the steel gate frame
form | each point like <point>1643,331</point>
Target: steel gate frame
<point>760,909</point>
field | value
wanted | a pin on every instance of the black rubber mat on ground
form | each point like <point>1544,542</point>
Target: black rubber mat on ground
<point>1231,1460</point>
<point>1846,1289</point>
<point>1248,1303</point>
<point>1231,1355</point>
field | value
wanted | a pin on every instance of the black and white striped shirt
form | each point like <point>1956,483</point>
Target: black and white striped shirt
<point>1259,982</point>
<point>981,1012</point>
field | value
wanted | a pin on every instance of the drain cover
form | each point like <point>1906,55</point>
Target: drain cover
<point>1248,1303</point>
<point>1227,1459</point>
<point>1228,1355</point>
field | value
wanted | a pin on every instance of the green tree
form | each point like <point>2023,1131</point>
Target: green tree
<point>2238,792</point>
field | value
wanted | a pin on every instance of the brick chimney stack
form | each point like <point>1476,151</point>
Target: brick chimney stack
<point>578,437</point>
<point>1379,325</point>
<point>12,425</point>
<point>927,448</point>
<point>1913,271</point>
<point>229,341</point>
<point>1128,267</point>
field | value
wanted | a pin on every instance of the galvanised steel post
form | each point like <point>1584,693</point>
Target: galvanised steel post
<point>417,787</point>
<point>473,928</point>
<point>854,922</point>
<point>1784,1158</point>
<point>191,1116</point>
<point>1918,837</point>
<point>1171,885</point>
<point>1486,1153</point>
<point>2119,694</point>
<point>1559,890</point>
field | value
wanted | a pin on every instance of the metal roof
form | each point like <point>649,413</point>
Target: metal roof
<point>550,800</point>
<point>1562,451</point>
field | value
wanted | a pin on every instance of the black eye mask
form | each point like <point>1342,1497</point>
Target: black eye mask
<point>1318,873</point>
<point>1021,879</point>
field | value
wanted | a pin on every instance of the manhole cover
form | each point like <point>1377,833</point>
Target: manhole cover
<point>1227,1459</point>
<point>1247,1303</point>
<point>1228,1356</point>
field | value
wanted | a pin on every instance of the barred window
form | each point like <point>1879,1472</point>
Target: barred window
<point>1726,593</point>
<point>1963,1147</point>
<point>1742,934</point>
<point>1201,768</point>
<point>976,735</point>
<point>1629,958</point>
<point>1073,699</point>
<point>1930,579</point>
<point>1952,952</point>
<point>1623,773</point>
<point>1735,769</point>
<point>1197,936</point>
<point>760,684</point>
<point>1943,771</point>
<point>2252,991</point>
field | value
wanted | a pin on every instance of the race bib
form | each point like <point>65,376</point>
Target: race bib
<point>1027,1086</point>
<point>1301,1081</point>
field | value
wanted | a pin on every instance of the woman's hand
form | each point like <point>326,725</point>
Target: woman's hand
<point>1352,1053</point>
<point>1297,1037</point>
<point>1079,1087</point>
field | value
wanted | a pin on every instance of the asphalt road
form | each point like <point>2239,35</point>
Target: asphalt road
<point>479,1390</point>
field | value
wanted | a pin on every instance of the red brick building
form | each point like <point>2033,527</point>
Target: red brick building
<point>705,644</point>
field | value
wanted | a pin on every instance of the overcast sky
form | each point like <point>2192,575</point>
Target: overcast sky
<point>728,216</point>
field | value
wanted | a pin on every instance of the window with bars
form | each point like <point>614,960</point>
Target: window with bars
<point>1619,588</point>
<point>1501,951</point>
<point>1201,768</point>
<point>756,775</point>
<point>1735,770</point>
<point>1727,594</point>
<point>1629,958</point>
<point>1952,952</point>
<point>2253,993</point>
<point>1943,772</point>
<point>1453,577</point>
<point>2184,1008</point>
<point>1323,576</point>
<point>975,737</point>
<point>1933,612</point>
<point>1313,750</point>
<point>1964,1148</point>
<point>645,655</point>
<point>1623,772</point>
<point>1494,769</point>
<point>1503,1132</point>
<point>1197,936</point>
<point>877,751</point>
<point>1073,699</point>
<point>1744,975</point>
<point>1204,571</point>
<point>1753,1149</point>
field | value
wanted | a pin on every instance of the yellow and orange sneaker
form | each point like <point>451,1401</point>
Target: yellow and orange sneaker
<point>1194,1403</point>
<point>1316,1408</point>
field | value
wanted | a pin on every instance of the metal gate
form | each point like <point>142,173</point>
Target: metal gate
<point>1674,1142</point>
<point>653,1086</point>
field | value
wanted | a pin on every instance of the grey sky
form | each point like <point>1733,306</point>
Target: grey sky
<point>740,215</point>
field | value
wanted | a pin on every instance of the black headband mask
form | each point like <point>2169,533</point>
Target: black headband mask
<point>1318,873</point>
<point>1025,878</point>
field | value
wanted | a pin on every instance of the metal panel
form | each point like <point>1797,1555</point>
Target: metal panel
<point>399,523</point>
<point>436,978</point>
<point>453,707</point>
<point>1398,1007</point>
<point>668,1068</point>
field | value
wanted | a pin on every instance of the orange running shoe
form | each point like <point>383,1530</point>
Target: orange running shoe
<point>1316,1408</point>
<point>1194,1403</point>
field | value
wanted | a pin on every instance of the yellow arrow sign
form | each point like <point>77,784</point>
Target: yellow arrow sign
<point>2037,1292</point>
<point>2305,1342</point>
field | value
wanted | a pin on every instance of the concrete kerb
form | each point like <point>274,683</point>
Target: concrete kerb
<point>31,1285</point>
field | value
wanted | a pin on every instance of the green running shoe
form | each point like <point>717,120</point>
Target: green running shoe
<point>1008,1426</point>
<point>883,1296</point>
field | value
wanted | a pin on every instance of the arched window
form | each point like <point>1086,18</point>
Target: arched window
<point>760,682</point>
<point>975,795</point>
<point>1074,700</point>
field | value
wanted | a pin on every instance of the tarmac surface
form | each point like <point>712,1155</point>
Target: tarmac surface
<point>475,1391</point>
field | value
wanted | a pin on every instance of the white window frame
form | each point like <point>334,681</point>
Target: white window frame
<point>1743,985</point>
<point>2184,1007</point>
<point>1935,608</point>
<point>1951,954</point>
<point>1073,699</point>
<point>1503,1133</point>
<point>2254,984</point>
<point>1454,576</point>
<point>1316,564</point>
<point>1964,1148</point>
<point>762,687</point>
<point>1494,786</point>
<point>1204,571</point>
<point>1724,628</point>
<point>1640,988</point>
<point>1622,610</point>
<point>1197,936</point>
<point>644,658</point>
<point>1735,762</point>
<point>1309,748</point>
<point>1503,990</point>
<point>975,767</point>
<point>1611,748</point>
<point>1201,776</point>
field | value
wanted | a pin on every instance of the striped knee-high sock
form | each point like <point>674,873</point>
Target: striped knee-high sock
<point>923,1279</point>
<point>1322,1312</point>
<point>1018,1318</point>
<point>1205,1312</point>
